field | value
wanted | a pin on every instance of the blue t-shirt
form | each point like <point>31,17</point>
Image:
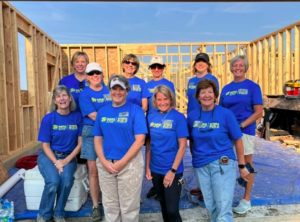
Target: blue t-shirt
<point>192,85</point>
<point>240,97</point>
<point>138,91</point>
<point>118,127</point>
<point>61,131</point>
<point>73,85</point>
<point>151,86</point>
<point>91,101</point>
<point>165,130</point>
<point>212,134</point>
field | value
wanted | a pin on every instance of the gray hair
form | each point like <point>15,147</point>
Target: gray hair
<point>167,93</point>
<point>122,79</point>
<point>58,90</point>
<point>77,54</point>
<point>237,58</point>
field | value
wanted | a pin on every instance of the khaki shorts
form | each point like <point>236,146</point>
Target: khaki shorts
<point>248,142</point>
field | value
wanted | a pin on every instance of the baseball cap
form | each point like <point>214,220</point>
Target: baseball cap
<point>93,66</point>
<point>202,56</point>
<point>117,81</point>
<point>157,60</point>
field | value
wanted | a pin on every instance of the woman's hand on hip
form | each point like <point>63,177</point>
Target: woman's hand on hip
<point>148,174</point>
<point>244,174</point>
<point>169,178</point>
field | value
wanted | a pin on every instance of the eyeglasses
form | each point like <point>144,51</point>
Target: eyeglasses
<point>80,84</point>
<point>94,72</point>
<point>156,67</point>
<point>132,63</point>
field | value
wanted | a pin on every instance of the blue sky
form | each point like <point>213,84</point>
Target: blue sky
<point>129,22</point>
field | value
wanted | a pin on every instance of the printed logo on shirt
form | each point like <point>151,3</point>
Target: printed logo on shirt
<point>136,88</point>
<point>122,120</point>
<point>123,114</point>
<point>72,90</point>
<point>107,97</point>
<point>167,124</point>
<point>155,125</point>
<point>60,127</point>
<point>202,125</point>
<point>108,120</point>
<point>72,127</point>
<point>237,92</point>
<point>192,86</point>
<point>100,100</point>
<point>151,90</point>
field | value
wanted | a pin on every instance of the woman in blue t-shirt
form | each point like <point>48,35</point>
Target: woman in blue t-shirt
<point>202,70</point>
<point>244,98</point>
<point>75,82</point>
<point>139,93</point>
<point>168,139</point>
<point>60,133</point>
<point>119,132</point>
<point>92,98</point>
<point>213,130</point>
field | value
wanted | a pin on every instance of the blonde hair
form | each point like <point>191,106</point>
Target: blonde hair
<point>76,55</point>
<point>167,92</point>
<point>58,90</point>
<point>135,59</point>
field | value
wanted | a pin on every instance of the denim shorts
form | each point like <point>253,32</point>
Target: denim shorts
<point>88,149</point>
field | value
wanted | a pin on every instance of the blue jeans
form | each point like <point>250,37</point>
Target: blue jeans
<point>88,148</point>
<point>217,184</point>
<point>55,184</point>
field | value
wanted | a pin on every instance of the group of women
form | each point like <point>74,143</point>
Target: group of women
<point>110,124</point>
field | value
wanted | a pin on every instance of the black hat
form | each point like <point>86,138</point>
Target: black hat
<point>202,56</point>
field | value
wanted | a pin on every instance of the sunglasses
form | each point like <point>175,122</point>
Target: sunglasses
<point>80,84</point>
<point>132,63</point>
<point>94,72</point>
<point>156,67</point>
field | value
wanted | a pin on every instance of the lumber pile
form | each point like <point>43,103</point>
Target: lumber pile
<point>287,141</point>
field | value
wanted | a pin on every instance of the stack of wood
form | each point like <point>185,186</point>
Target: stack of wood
<point>288,141</point>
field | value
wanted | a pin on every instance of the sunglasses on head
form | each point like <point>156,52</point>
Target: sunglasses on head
<point>159,67</point>
<point>91,73</point>
<point>132,63</point>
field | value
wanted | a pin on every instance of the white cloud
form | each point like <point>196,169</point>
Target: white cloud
<point>239,8</point>
<point>57,16</point>
<point>194,13</point>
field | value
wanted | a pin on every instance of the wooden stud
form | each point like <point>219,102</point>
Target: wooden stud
<point>273,80</point>
<point>260,62</point>
<point>226,66</point>
<point>288,55</point>
<point>249,56</point>
<point>265,86</point>
<point>280,64</point>
<point>297,52</point>
<point>254,59</point>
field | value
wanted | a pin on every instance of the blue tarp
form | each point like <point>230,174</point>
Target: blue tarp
<point>276,182</point>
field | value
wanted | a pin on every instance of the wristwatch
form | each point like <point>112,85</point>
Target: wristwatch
<point>173,170</point>
<point>241,126</point>
<point>242,166</point>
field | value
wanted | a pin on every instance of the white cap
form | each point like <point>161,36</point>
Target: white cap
<point>116,81</point>
<point>93,66</point>
<point>157,60</point>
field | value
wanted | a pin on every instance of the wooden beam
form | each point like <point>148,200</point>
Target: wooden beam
<point>280,63</point>
<point>44,74</point>
<point>23,26</point>
<point>226,66</point>
<point>249,56</point>
<point>273,65</point>
<point>16,73</point>
<point>10,84</point>
<point>4,134</point>
<point>288,55</point>
<point>50,59</point>
<point>297,52</point>
<point>265,86</point>
<point>254,59</point>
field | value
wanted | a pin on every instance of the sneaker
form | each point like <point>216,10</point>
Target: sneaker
<point>40,219</point>
<point>96,214</point>
<point>195,191</point>
<point>243,207</point>
<point>56,219</point>
<point>151,193</point>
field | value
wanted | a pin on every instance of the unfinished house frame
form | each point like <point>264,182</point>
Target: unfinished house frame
<point>274,59</point>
